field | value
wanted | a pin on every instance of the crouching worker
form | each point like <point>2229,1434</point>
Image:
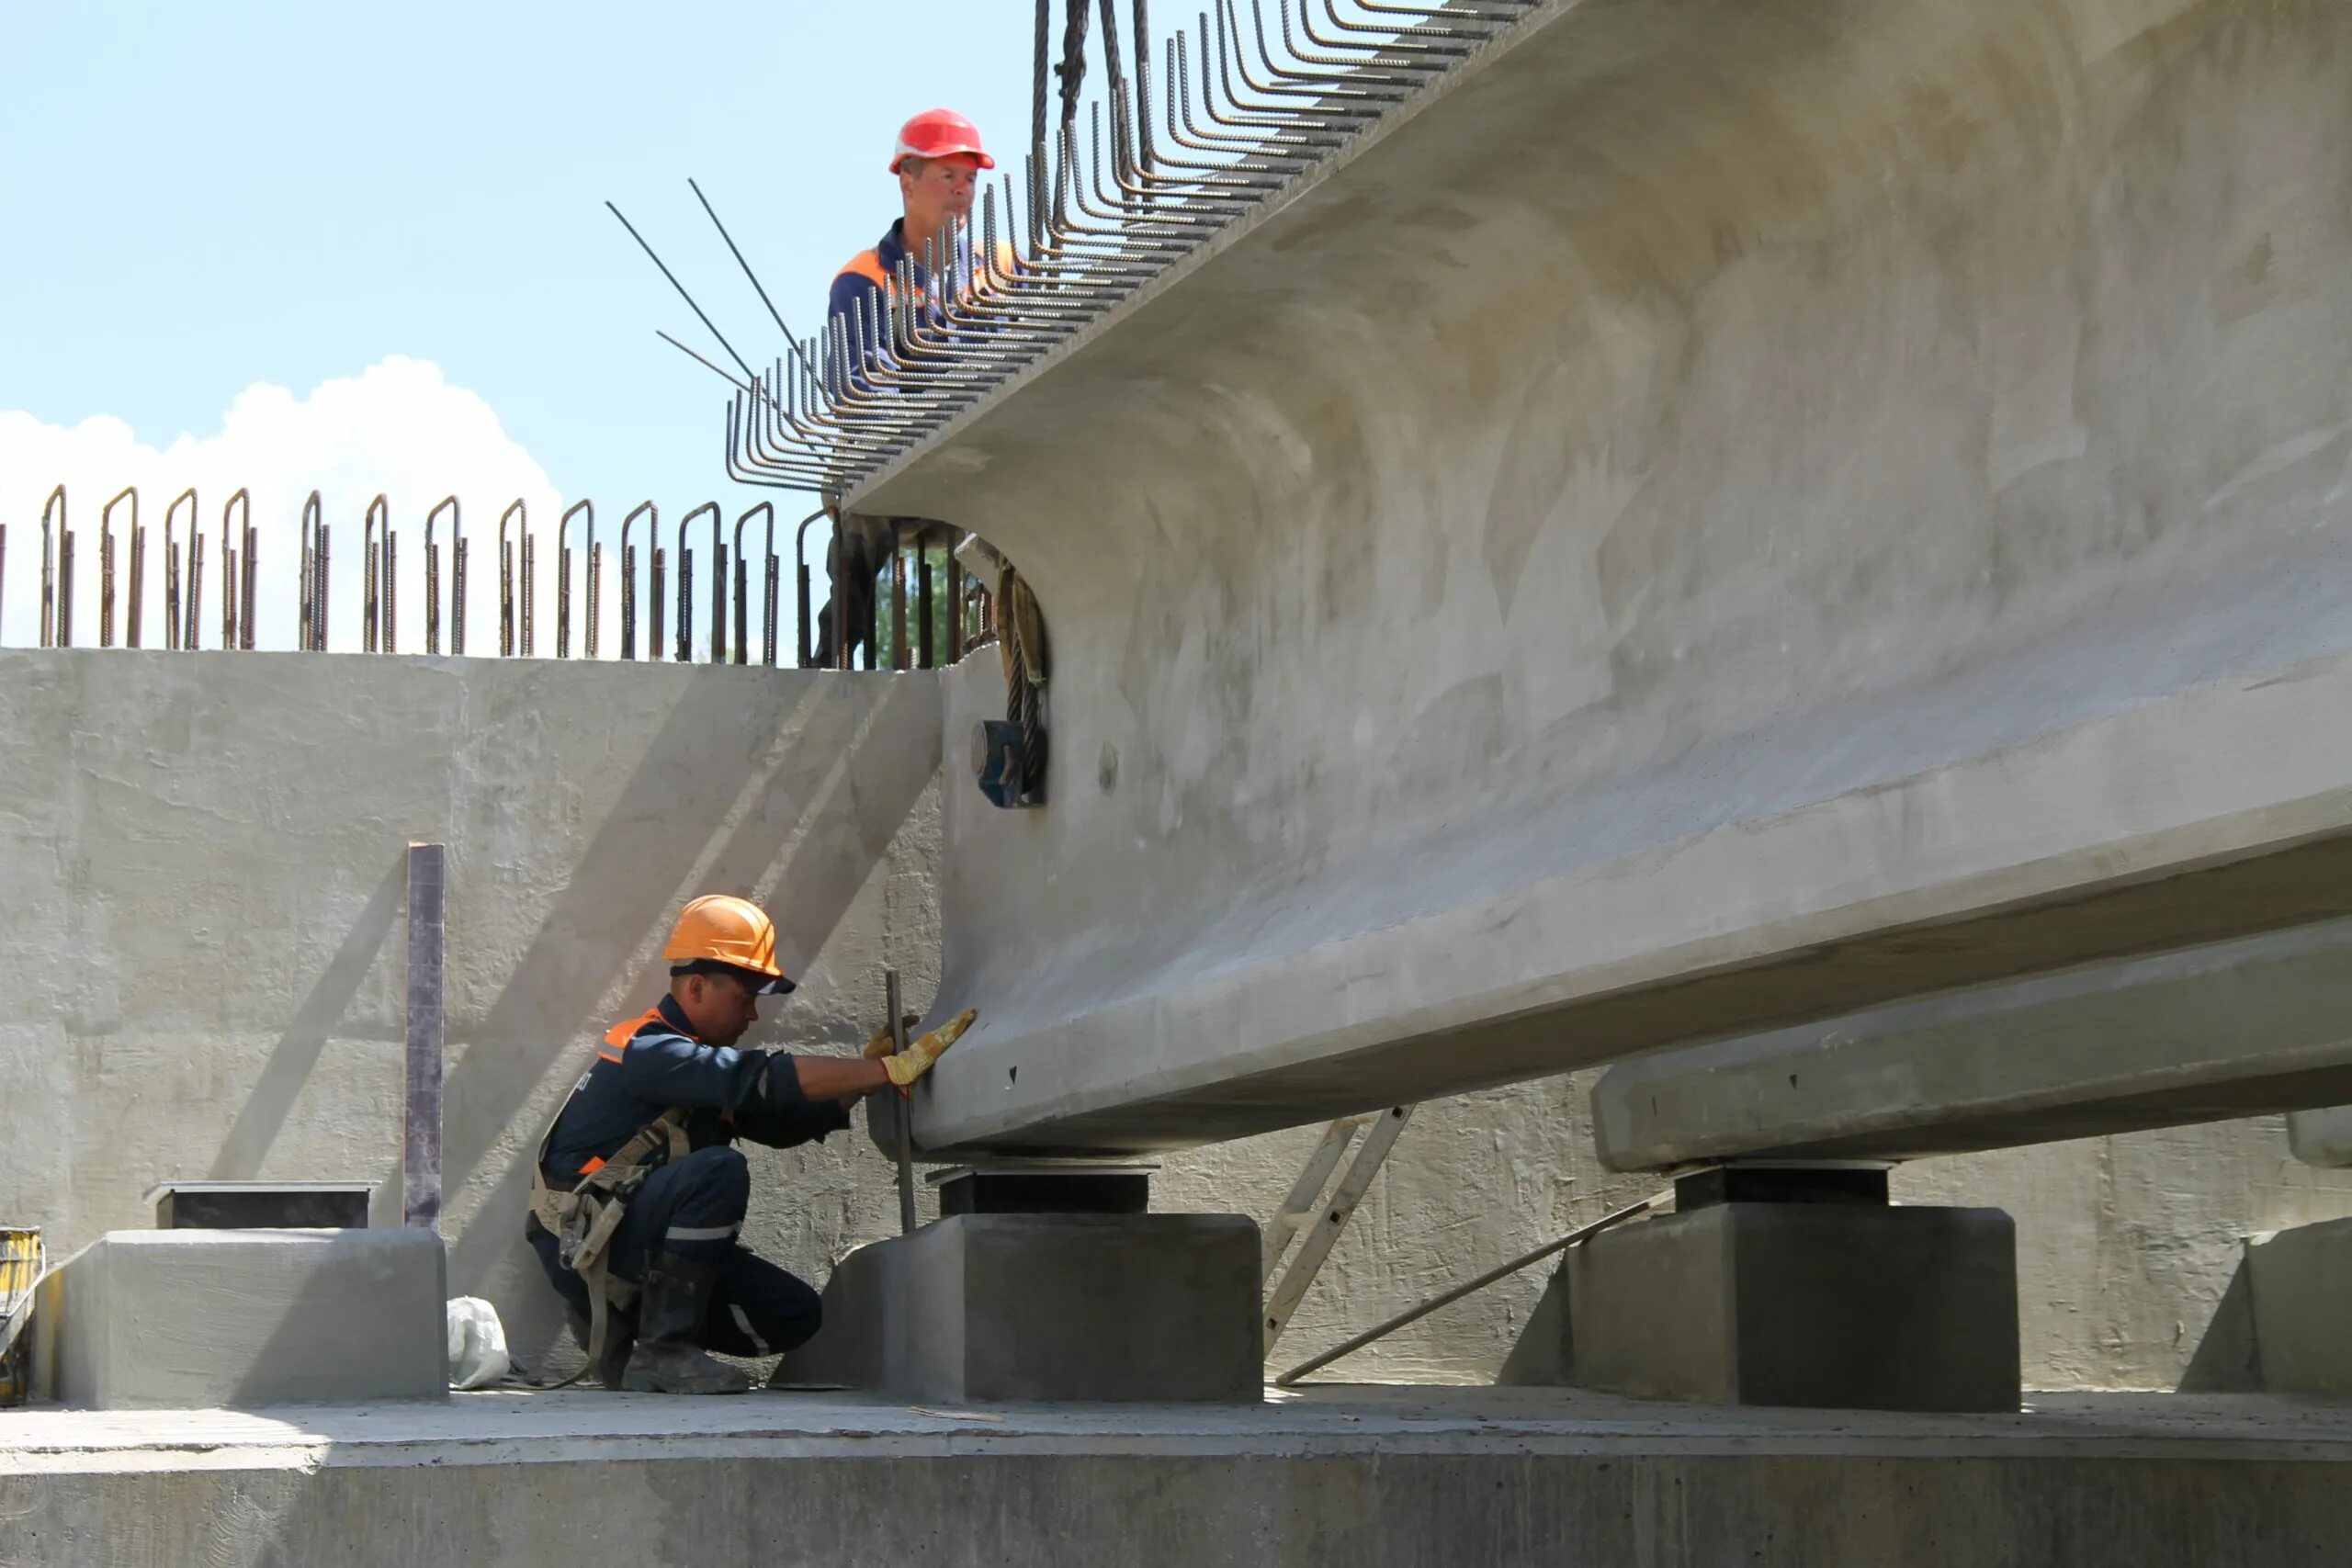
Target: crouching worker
<point>640,1191</point>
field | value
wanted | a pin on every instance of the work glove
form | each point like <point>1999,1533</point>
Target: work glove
<point>879,1046</point>
<point>910,1063</point>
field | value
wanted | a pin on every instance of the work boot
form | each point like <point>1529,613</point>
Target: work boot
<point>620,1333</point>
<point>675,1298</point>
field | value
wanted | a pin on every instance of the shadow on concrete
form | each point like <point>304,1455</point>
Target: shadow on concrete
<point>296,1054</point>
<point>2229,1357</point>
<point>627,885</point>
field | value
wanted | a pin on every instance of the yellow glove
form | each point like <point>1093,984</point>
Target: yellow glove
<point>917,1058</point>
<point>879,1046</point>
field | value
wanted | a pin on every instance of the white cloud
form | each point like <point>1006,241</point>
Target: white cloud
<point>398,429</point>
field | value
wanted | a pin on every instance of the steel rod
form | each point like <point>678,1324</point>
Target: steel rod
<point>1469,1287</point>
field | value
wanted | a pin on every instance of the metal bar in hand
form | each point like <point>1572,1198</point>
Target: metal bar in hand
<point>421,1119</point>
<point>1470,1287</point>
<point>905,1108</point>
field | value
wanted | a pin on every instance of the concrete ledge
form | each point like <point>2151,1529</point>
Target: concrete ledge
<point>2301,1281</point>
<point>2210,1033</point>
<point>1083,1307</point>
<point>1366,1477</point>
<point>1803,1305</point>
<point>215,1318</point>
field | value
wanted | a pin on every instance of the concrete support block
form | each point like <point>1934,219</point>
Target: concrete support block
<point>1078,1307</point>
<point>2301,1281</point>
<point>203,1318</point>
<point>2322,1139</point>
<point>1846,1305</point>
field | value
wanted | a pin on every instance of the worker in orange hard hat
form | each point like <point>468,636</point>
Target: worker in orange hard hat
<point>639,1191</point>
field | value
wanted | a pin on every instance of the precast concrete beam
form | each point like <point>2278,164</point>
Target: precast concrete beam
<point>2231,1029</point>
<point>2323,1137</point>
<point>1724,514</point>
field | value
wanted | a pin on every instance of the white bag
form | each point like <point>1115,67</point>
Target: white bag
<point>478,1355</point>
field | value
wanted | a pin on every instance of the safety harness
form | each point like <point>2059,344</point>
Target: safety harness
<point>584,1220</point>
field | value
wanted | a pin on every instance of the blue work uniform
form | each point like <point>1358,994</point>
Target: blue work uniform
<point>871,278</point>
<point>691,1206</point>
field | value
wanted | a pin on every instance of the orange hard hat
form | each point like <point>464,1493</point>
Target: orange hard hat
<point>718,928</point>
<point>939,133</point>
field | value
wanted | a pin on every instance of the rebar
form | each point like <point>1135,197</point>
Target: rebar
<point>107,560</point>
<point>718,587</point>
<point>456,582</point>
<point>173,577</point>
<point>530,595</point>
<point>134,622</point>
<point>629,580</point>
<point>234,549</point>
<point>249,563</point>
<point>563,577</point>
<point>433,573</point>
<point>54,552</point>
<point>743,584</point>
<point>319,597</point>
<point>506,576</point>
<point>391,581</point>
<point>373,572</point>
<point>307,583</point>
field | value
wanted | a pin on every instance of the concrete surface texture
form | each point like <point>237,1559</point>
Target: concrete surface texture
<point>1341,1475</point>
<point>2260,1024</point>
<point>202,940</point>
<point>1841,1306</point>
<point>1092,1308</point>
<point>159,1320</point>
<point>1822,521</point>
<point>2299,1282</point>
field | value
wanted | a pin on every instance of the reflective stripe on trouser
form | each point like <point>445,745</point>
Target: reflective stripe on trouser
<point>692,1207</point>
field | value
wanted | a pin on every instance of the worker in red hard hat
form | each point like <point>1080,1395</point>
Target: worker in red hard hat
<point>639,1189</point>
<point>939,161</point>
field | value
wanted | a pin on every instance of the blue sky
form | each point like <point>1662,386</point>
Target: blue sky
<point>197,199</point>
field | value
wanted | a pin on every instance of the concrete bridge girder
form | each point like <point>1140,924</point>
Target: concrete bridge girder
<point>1726,516</point>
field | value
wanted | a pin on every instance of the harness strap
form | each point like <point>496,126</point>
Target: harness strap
<point>584,1220</point>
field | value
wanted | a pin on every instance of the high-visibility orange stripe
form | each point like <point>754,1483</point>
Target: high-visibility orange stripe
<point>593,1166</point>
<point>869,265</point>
<point>620,1034</point>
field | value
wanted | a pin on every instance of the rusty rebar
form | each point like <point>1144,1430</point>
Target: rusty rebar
<point>563,577</point>
<point>506,578</point>
<point>432,573</point>
<point>52,551</point>
<point>629,580</point>
<point>107,560</point>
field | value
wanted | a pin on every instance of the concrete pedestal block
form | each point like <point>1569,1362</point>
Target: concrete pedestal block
<point>2321,1138</point>
<point>1848,1305</point>
<point>1077,1307</point>
<point>196,1319</point>
<point>2300,1282</point>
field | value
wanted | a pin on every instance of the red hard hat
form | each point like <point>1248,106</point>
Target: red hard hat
<point>939,133</point>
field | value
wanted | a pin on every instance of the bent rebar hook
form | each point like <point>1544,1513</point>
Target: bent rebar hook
<point>564,578</point>
<point>176,619</point>
<point>106,560</point>
<point>629,576</point>
<point>432,571</point>
<point>506,574</point>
